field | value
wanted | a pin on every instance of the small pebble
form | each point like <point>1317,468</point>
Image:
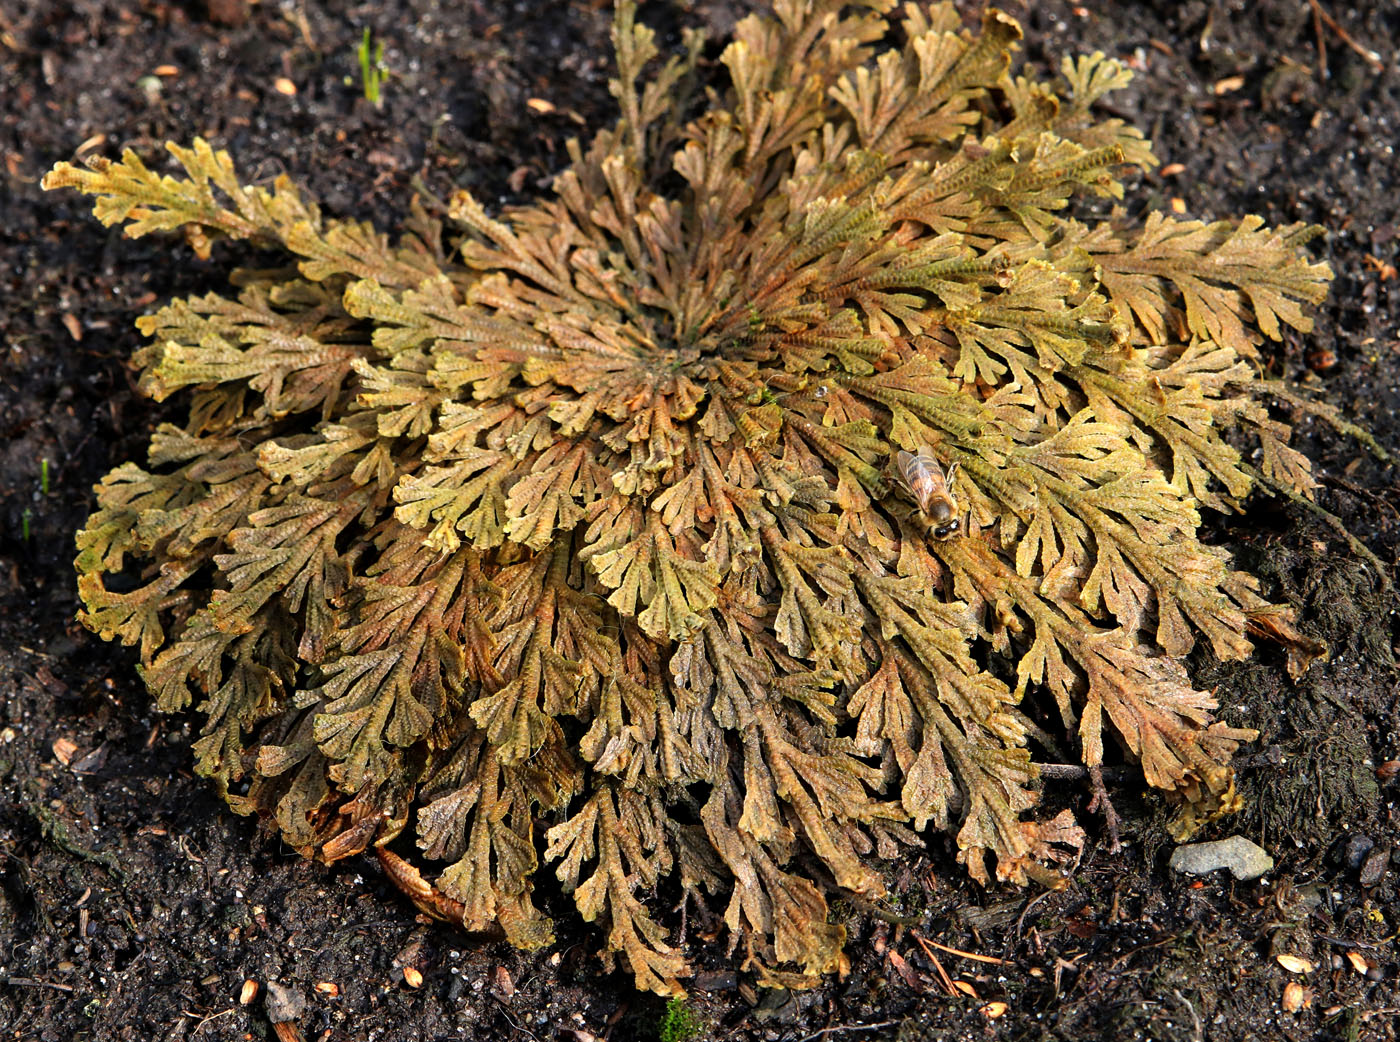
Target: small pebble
<point>284,1004</point>
<point>1354,853</point>
<point>1244,859</point>
<point>1373,868</point>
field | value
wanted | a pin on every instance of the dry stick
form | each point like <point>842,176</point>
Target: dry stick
<point>1103,805</point>
<point>1371,57</point>
<point>956,951</point>
<point>30,982</point>
<point>840,1028</point>
<point>1073,771</point>
<point>1321,46</point>
<point>287,1031</point>
<point>942,973</point>
<point>1059,771</point>
<point>1100,803</point>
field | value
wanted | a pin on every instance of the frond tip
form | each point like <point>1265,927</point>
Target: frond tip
<point>706,510</point>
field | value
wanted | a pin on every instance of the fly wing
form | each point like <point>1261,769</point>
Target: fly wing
<point>916,470</point>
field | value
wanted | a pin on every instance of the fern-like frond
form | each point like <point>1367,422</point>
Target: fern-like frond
<point>723,508</point>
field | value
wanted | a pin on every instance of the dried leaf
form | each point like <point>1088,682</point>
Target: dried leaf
<point>590,507</point>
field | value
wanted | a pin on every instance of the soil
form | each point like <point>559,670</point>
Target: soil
<point>134,905</point>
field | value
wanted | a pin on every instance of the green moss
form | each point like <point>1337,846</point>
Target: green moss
<point>679,1023</point>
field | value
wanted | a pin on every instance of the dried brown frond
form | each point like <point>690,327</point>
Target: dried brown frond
<point>599,522</point>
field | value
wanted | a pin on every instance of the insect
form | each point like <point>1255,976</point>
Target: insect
<point>932,489</point>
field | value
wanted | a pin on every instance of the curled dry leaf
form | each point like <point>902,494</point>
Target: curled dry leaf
<point>584,513</point>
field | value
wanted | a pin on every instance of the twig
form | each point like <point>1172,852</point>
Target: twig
<point>1197,1031</point>
<point>213,1016</point>
<point>512,1021</point>
<point>1060,771</point>
<point>1103,805</point>
<point>1372,58</point>
<point>1342,942</point>
<point>30,982</point>
<point>943,977</point>
<point>840,1028</point>
<point>870,908</point>
<point>954,951</point>
<point>1021,919</point>
<point>1321,44</point>
<point>1072,771</point>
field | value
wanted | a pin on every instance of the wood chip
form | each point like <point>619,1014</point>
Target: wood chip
<point>248,993</point>
<point>1228,85</point>
<point>905,971</point>
<point>1296,964</point>
<point>539,105</point>
<point>412,977</point>
<point>1295,997</point>
<point>1358,962</point>
<point>166,70</point>
<point>74,327</point>
<point>91,144</point>
<point>282,85</point>
<point>327,987</point>
<point>502,984</point>
<point>993,1010</point>
<point>1172,169</point>
<point>63,750</point>
<point>1178,204</point>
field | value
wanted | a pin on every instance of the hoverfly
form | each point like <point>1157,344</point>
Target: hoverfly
<point>932,489</point>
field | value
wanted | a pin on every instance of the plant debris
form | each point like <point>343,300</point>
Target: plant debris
<point>599,522</point>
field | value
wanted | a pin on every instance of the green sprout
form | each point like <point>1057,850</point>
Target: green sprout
<point>24,519</point>
<point>44,476</point>
<point>373,71</point>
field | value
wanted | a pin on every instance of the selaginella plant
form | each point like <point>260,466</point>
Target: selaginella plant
<point>579,532</point>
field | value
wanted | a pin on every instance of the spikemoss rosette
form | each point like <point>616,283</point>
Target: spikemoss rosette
<point>584,511</point>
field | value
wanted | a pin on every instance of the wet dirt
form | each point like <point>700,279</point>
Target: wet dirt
<point>134,905</point>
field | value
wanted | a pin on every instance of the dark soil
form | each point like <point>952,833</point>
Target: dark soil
<point>134,905</point>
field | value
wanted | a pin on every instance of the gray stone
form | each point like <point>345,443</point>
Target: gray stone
<point>1373,868</point>
<point>284,1004</point>
<point>1244,859</point>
